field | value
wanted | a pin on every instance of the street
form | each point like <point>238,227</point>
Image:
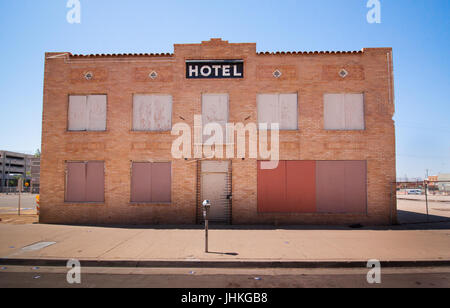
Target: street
<point>9,202</point>
<point>48,277</point>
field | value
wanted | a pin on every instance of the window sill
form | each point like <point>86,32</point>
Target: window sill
<point>83,203</point>
<point>345,130</point>
<point>150,131</point>
<point>313,214</point>
<point>282,130</point>
<point>150,204</point>
<point>86,131</point>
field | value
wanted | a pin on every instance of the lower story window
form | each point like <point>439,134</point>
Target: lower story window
<point>151,182</point>
<point>313,187</point>
<point>85,182</point>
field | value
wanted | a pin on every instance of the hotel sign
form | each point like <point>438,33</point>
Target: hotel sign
<point>214,69</point>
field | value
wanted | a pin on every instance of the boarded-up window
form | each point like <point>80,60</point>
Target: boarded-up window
<point>85,182</point>
<point>301,186</point>
<point>272,189</point>
<point>291,188</point>
<point>278,108</point>
<point>87,113</point>
<point>313,187</point>
<point>341,186</point>
<point>152,112</point>
<point>215,110</point>
<point>151,182</point>
<point>344,111</point>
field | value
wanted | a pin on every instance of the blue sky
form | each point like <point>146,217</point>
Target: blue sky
<point>418,31</point>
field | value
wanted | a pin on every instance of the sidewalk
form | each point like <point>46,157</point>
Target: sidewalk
<point>168,246</point>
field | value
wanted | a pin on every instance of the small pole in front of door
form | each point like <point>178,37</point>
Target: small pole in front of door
<point>206,208</point>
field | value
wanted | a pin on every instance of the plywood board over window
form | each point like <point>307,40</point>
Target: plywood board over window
<point>152,112</point>
<point>96,111</point>
<point>141,181</point>
<point>290,188</point>
<point>151,182</point>
<point>279,108</point>
<point>87,113</point>
<point>344,112</point>
<point>85,182</point>
<point>272,189</point>
<point>341,187</point>
<point>77,113</point>
<point>215,109</point>
<point>301,186</point>
<point>338,187</point>
<point>76,182</point>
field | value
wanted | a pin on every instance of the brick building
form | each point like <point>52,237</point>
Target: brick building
<point>107,136</point>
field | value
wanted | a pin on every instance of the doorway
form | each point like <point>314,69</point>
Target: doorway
<point>215,185</point>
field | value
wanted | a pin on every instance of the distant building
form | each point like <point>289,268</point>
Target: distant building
<point>35,174</point>
<point>444,182</point>
<point>433,183</point>
<point>14,164</point>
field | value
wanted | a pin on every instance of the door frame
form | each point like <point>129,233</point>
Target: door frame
<point>229,207</point>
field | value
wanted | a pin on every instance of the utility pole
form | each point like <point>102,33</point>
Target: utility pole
<point>7,178</point>
<point>19,184</point>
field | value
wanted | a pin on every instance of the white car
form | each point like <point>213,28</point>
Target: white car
<point>414,192</point>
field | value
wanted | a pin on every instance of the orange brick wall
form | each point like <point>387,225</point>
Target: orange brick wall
<point>121,76</point>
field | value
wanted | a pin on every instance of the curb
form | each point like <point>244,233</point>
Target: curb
<point>223,264</point>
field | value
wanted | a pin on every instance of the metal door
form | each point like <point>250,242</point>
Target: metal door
<point>215,187</point>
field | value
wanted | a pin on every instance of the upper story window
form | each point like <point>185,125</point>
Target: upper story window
<point>87,113</point>
<point>344,111</point>
<point>215,110</point>
<point>152,112</point>
<point>278,108</point>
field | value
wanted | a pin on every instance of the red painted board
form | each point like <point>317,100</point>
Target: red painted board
<point>272,189</point>
<point>161,182</point>
<point>300,187</point>
<point>76,182</point>
<point>355,186</point>
<point>330,186</point>
<point>141,182</point>
<point>95,182</point>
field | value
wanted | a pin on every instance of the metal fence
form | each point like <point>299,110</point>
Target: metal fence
<point>423,202</point>
<point>15,190</point>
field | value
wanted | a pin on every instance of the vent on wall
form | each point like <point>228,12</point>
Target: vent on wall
<point>88,75</point>
<point>153,75</point>
<point>277,74</point>
<point>343,73</point>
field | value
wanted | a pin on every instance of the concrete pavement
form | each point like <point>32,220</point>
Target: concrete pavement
<point>186,244</point>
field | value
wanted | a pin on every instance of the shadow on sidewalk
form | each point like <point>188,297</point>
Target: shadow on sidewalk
<point>410,218</point>
<point>435,223</point>
<point>223,253</point>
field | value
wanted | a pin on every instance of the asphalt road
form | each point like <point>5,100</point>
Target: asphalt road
<point>9,203</point>
<point>27,277</point>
